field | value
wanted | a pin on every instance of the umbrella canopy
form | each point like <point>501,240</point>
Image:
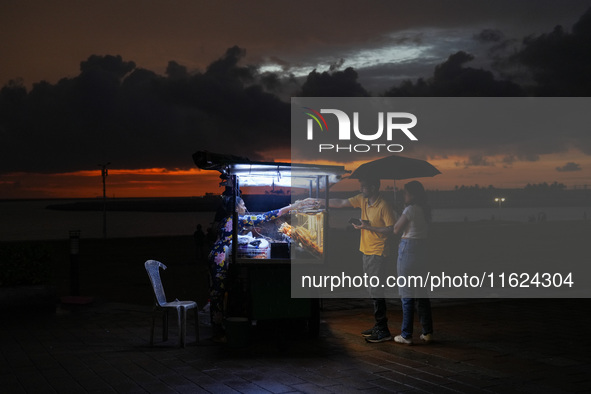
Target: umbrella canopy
<point>395,167</point>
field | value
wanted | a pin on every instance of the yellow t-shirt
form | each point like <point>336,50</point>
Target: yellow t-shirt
<point>379,214</point>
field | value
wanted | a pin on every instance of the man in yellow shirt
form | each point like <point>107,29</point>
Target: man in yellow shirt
<point>377,221</point>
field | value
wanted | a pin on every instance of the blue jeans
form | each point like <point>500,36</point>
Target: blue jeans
<point>412,256</point>
<point>408,314</point>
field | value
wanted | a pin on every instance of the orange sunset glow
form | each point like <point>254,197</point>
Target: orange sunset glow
<point>161,182</point>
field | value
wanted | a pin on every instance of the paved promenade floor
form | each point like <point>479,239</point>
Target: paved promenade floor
<point>482,346</point>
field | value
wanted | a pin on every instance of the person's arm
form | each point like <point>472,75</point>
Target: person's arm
<point>333,202</point>
<point>339,203</point>
<point>380,230</point>
<point>253,220</point>
<point>308,203</point>
<point>284,210</point>
<point>401,224</point>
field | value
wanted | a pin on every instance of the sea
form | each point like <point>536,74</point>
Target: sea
<point>22,220</point>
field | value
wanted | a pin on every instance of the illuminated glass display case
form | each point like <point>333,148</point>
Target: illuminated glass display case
<point>306,233</point>
<point>262,259</point>
<point>299,234</point>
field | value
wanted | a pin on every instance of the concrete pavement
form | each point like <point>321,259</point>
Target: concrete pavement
<point>482,346</point>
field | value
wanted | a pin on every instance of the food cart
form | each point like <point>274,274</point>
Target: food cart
<point>259,274</point>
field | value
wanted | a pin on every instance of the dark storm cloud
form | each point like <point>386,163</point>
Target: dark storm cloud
<point>559,64</point>
<point>407,38</point>
<point>453,79</point>
<point>336,84</point>
<point>176,71</point>
<point>489,35</point>
<point>59,33</point>
<point>569,167</point>
<point>510,159</point>
<point>560,61</point>
<point>279,61</point>
<point>114,111</point>
<point>336,65</point>
<point>552,64</point>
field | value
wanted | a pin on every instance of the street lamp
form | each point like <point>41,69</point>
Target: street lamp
<point>104,174</point>
<point>500,200</point>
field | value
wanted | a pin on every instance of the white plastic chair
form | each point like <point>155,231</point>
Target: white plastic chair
<point>161,305</point>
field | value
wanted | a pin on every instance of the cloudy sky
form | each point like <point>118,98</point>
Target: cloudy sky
<point>145,84</point>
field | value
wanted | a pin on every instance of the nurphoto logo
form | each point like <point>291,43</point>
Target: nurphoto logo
<point>393,127</point>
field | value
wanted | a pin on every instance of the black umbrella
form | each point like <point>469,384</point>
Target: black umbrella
<point>395,167</point>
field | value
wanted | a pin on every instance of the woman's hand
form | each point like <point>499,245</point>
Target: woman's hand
<point>308,203</point>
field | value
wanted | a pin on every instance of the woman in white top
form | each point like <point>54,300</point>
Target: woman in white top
<point>412,260</point>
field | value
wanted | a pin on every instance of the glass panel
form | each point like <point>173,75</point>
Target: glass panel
<point>306,232</point>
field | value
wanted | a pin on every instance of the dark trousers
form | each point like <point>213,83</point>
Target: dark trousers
<point>374,265</point>
<point>379,312</point>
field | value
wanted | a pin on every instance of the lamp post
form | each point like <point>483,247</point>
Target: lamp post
<point>500,200</point>
<point>74,268</point>
<point>104,174</point>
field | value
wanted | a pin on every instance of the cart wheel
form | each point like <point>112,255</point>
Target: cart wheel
<point>314,320</point>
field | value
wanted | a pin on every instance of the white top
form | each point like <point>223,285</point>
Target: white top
<point>417,227</point>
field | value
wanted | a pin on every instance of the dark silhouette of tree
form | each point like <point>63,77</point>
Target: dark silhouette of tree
<point>544,187</point>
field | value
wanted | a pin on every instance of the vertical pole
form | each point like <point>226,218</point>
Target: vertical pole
<point>234,179</point>
<point>395,199</point>
<point>326,232</point>
<point>228,296</point>
<point>74,265</point>
<point>104,174</point>
<point>318,186</point>
<point>326,217</point>
<point>104,203</point>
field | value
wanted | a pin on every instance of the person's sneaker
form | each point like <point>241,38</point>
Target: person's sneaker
<point>379,336</point>
<point>426,338</point>
<point>401,339</point>
<point>368,332</point>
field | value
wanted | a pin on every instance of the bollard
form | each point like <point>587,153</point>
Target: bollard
<point>74,271</point>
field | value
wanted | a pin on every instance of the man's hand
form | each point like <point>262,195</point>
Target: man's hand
<point>363,226</point>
